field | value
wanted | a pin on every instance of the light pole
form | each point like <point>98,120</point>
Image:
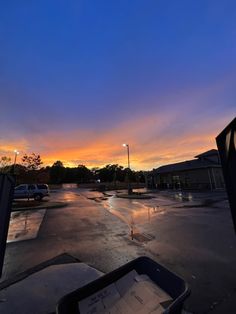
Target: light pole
<point>127,145</point>
<point>16,153</point>
<point>129,187</point>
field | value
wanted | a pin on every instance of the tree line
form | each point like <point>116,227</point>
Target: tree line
<point>30,170</point>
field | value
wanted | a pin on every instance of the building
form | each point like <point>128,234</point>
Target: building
<point>202,173</point>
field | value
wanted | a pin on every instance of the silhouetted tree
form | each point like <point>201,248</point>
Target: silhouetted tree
<point>57,172</point>
<point>111,173</point>
<point>84,175</point>
<point>5,161</point>
<point>129,175</point>
<point>58,163</point>
<point>32,162</point>
<point>5,164</point>
<point>140,176</point>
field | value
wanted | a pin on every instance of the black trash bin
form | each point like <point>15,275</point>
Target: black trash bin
<point>169,282</point>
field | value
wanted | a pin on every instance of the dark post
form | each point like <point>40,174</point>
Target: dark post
<point>6,196</point>
<point>128,156</point>
<point>226,142</point>
<point>14,165</point>
<point>129,186</point>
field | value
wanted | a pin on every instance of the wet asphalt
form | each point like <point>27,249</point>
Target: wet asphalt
<point>189,233</point>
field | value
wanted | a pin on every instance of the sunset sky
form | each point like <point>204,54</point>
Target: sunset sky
<point>79,78</point>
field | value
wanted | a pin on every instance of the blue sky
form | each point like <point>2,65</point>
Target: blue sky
<point>78,78</point>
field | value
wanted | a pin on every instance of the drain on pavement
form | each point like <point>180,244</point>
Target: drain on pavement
<point>143,237</point>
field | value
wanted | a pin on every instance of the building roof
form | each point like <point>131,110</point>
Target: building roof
<point>211,152</point>
<point>200,163</point>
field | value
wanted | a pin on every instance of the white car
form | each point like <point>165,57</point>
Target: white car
<point>36,191</point>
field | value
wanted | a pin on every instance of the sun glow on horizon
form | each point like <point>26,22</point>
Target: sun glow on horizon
<point>146,158</point>
<point>153,142</point>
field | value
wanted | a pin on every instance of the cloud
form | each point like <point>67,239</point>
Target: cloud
<point>167,129</point>
<point>152,139</point>
<point>7,148</point>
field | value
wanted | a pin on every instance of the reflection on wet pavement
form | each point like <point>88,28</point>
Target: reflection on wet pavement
<point>24,225</point>
<point>70,197</point>
<point>65,196</point>
<point>134,214</point>
<point>183,196</point>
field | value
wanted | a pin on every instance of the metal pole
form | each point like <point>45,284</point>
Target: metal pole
<point>128,156</point>
<point>129,187</point>
<point>15,159</point>
<point>14,165</point>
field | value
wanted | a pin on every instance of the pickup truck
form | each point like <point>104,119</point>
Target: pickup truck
<point>36,191</point>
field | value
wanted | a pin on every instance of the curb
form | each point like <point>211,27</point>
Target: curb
<point>55,205</point>
<point>134,196</point>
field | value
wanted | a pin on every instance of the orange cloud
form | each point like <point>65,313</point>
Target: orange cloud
<point>151,139</point>
<point>7,148</point>
<point>174,133</point>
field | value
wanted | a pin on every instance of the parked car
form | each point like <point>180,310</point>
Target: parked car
<point>36,191</point>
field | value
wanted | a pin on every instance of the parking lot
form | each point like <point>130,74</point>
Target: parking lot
<point>189,233</point>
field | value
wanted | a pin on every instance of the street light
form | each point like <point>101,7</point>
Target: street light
<point>127,145</point>
<point>16,153</point>
<point>129,187</point>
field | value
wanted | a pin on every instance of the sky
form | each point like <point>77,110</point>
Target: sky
<point>80,78</point>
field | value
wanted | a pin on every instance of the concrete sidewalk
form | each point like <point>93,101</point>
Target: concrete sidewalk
<point>39,291</point>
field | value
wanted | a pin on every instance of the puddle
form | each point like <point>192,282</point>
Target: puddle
<point>24,225</point>
<point>138,213</point>
<point>134,214</point>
